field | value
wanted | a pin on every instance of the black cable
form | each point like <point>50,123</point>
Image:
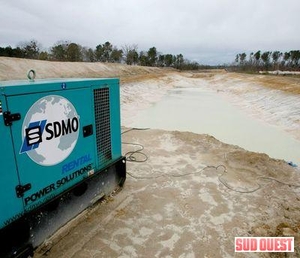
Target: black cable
<point>176,175</point>
<point>135,129</point>
<point>219,178</point>
<point>131,156</point>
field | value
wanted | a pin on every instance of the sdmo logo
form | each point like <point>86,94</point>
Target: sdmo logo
<point>50,130</point>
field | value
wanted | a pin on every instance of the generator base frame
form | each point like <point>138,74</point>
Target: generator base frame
<point>36,226</point>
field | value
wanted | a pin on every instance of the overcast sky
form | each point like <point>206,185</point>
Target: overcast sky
<point>209,32</point>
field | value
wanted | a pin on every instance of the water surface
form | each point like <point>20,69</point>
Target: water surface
<point>201,111</point>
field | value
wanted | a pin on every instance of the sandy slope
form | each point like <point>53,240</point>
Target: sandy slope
<point>272,99</point>
<point>194,194</point>
<point>16,69</point>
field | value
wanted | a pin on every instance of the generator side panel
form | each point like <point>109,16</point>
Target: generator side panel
<point>53,142</point>
<point>11,207</point>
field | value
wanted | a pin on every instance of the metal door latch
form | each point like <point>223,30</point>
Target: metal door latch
<point>9,118</point>
<point>21,189</point>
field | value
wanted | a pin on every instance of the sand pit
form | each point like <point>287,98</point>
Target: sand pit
<point>193,194</point>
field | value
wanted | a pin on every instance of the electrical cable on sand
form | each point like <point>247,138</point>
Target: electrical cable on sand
<point>135,129</point>
<point>131,156</point>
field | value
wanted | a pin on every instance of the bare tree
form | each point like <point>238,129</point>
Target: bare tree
<point>31,49</point>
<point>275,56</point>
<point>130,54</point>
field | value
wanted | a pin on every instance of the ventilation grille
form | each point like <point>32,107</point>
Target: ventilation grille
<point>102,119</point>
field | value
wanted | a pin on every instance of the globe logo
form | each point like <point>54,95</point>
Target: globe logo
<point>50,130</point>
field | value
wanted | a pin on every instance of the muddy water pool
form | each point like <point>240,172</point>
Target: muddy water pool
<point>201,111</point>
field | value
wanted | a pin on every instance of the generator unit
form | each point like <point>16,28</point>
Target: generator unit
<point>58,137</point>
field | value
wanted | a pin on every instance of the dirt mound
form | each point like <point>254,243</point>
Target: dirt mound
<point>17,68</point>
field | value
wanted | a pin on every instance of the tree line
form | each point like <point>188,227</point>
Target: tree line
<point>268,60</point>
<point>106,52</point>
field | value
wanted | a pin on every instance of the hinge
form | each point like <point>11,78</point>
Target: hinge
<point>21,189</point>
<point>9,118</point>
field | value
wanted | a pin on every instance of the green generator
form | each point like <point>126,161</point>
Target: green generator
<point>58,137</point>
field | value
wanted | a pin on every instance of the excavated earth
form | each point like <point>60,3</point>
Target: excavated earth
<point>186,194</point>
